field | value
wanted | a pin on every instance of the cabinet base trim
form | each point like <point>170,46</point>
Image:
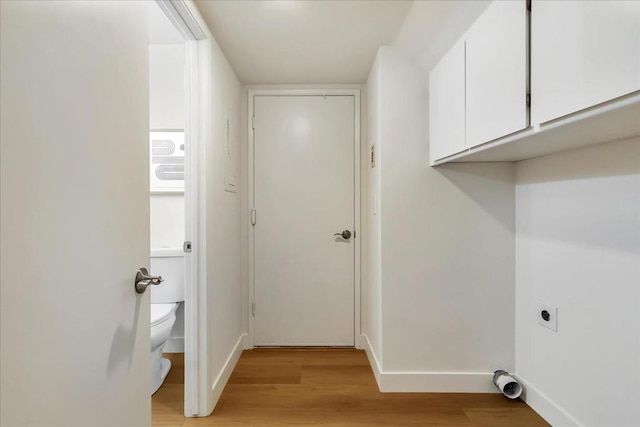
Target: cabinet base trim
<point>611,121</point>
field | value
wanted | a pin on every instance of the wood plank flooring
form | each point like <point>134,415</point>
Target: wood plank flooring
<point>329,387</point>
<point>167,405</point>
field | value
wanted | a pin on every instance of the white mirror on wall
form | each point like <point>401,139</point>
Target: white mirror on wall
<point>166,150</point>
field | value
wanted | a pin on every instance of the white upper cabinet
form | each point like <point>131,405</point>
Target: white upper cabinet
<point>447,104</point>
<point>583,53</point>
<point>478,91</point>
<point>496,73</point>
<point>583,59</point>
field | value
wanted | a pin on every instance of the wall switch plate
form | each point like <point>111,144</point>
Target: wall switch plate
<point>547,315</point>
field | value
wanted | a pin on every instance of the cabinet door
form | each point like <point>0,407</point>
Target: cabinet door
<point>446,104</point>
<point>582,53</point>
<point>496,76</point>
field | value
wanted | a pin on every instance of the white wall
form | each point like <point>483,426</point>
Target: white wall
<point>447,248</point>
<point>220,101</point>
<point>166,86</point>
<point>371,286</point>
<point>167,111</point>
<point>167,220</point>
<point>578,247</point>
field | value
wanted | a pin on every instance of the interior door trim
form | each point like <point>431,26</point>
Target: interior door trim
<point>252,93</point>
<point>199,398</point>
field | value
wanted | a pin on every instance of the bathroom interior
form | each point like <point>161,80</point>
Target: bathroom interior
<point>167,201</point>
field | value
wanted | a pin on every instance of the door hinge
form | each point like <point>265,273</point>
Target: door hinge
<point>253,122</point>
<point>186,247</point>
<point>253,217</point>
<point>528,100</point>
<point>253,309</point>
<point>529,5</point>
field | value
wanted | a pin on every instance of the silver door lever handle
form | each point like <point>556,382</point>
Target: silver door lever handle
<point>346,234</point>
<point>143,280</point>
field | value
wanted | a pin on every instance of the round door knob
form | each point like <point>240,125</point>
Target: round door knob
<point>346,234</point>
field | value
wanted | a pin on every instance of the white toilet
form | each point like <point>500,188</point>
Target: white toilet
<point>165,298</point>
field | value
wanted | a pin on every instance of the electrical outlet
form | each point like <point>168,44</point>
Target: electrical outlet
<point>547,316</point>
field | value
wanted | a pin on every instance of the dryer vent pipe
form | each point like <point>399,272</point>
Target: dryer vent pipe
<point>508,385</point>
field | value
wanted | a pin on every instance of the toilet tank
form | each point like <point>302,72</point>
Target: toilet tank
<point>168,263</point>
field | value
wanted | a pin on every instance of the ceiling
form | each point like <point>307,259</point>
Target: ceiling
<point>433,26</point>
<point>303,42</point>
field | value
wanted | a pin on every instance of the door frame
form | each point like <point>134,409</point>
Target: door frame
<point>249,342</point>
<point>197,67</point>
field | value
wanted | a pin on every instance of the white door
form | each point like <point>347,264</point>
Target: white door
<point>304,195</point>
<point>75,214</point>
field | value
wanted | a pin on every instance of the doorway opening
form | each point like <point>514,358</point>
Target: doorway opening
<point>178,340</point>
<point>167,123</point>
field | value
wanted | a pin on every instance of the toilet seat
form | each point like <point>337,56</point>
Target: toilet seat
<point>161,312</point>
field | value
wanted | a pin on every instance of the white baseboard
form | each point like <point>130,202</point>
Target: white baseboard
<point>222,378</point>
<point>462,382</point>
<point>428,382</point>
<point>373,360</point>
<point>545,407</point>
<point>438,382</point>
<point>174,345</point>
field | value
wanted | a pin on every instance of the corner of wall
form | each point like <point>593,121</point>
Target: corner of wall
<point>229,365</point>
<point>578,243</point>
<point>373,360</point>
<point>371,287</point>
<point>431,221</point>
<point>545,407</point>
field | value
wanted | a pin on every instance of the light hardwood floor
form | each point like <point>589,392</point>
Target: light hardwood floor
<point>329,387</point>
